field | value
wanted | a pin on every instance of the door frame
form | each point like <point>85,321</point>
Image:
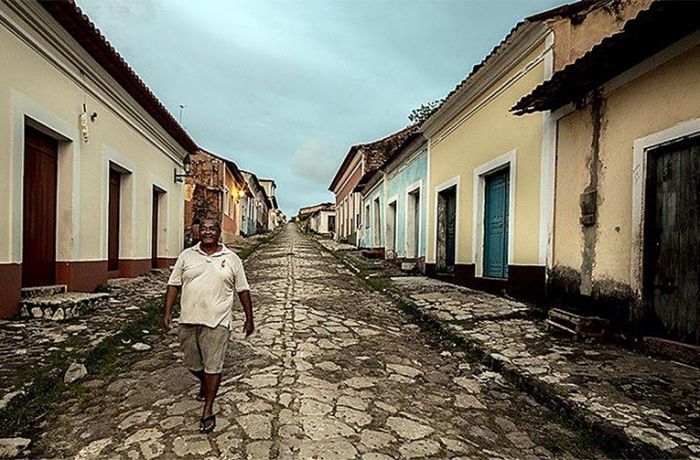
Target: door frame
<point>452,182</point>
<point>27,112</point>
<point>507,160</point>
<point>127,209</point>
<point>642,148</point>
<point>393,227</point>
<point>161,237</point>
<point>376,222</point>
<point>410,190</point>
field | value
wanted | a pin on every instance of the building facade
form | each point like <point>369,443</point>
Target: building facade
<point>258,217</point>
<point>627,216</point>
<point>88,158</point>
<point>491,173</point>
<point>273,220</point>
<point>395,201</point>
<point>360,161</point>
<point>488,202</point>
<point>322,221</point>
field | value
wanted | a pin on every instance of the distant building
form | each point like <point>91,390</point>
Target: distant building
<point>259,205</point>
<point>319,218</point>
<point>360,160</point>
<point>215,188</point>
<point>273,215</point>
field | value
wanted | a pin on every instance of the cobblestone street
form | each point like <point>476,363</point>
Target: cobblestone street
<point>333,371</point>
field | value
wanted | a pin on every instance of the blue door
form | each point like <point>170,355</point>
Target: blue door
<point>496,225</point>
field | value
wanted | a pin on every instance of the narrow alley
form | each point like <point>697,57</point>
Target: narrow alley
<point>333,371</point>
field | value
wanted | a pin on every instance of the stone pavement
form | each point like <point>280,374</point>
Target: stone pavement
<point>651,405</point>
<point>31,343</point>
<point>333,371</point>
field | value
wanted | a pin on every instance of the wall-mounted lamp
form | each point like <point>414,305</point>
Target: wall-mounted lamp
<point>187,166</point>
<point>93,117</point>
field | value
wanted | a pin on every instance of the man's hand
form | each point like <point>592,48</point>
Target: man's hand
<point>170,295</point>
<point>247,303</point>
<point>248,327</point>
<point>167,320</point>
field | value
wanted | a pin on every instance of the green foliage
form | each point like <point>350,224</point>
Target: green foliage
<point>423,112</point>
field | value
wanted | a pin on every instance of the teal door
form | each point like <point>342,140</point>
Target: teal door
<point>496,225</point>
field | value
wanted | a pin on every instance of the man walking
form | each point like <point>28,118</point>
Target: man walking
<point>209,274</point>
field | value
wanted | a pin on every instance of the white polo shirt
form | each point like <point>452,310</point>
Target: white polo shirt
<point>209,285</point>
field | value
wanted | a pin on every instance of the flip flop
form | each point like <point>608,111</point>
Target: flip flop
<point>200,397</point>
<point>204,427</point>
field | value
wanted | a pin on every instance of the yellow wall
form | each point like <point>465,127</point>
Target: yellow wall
<point>491,132</point>
<point>31,82</point>
<point>661,99</point>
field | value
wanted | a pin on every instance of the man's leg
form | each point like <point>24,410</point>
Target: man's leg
<point>192,357</point>
<point>200,377</point>
<point>213,343</point>
<point>211,387</point>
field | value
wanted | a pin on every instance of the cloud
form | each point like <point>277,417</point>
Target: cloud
<point>316,160</point>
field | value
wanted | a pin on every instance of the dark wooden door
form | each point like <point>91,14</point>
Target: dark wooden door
<point>450,228</point>
<point>113,231</point>
<point>154,229</point>
<point>39,221</point>
<point>672,242</point>
<point>496,225</point>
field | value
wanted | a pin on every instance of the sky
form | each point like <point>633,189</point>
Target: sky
<point>285,87</point>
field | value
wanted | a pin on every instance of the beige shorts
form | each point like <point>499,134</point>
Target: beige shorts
<point>204,347</point>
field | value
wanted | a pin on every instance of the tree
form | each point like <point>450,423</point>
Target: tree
<point>422,113</point>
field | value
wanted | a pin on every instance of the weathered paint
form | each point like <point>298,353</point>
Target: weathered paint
<point>368,237</point>
<point>658,99</point>
<point>412,172</point>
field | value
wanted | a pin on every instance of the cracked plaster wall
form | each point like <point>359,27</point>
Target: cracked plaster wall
<point>597,261</point>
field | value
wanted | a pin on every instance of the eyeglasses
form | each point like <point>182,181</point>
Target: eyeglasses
<point>208,229</point>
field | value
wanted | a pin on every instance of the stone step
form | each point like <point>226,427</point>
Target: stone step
<point>62,306</point>
<point>43,291</point>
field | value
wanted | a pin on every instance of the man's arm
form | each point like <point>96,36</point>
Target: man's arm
<point>170,296</point>
<point>247,303</point>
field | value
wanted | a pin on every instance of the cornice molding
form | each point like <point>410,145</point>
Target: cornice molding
<point>91,78</point>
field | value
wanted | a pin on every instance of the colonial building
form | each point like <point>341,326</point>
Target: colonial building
<point>270,187</point>
<point>399,226</point>
<point>259,205</point>
<point>360,160</point>
<point>627,194</point>
<point>319,218</point>
<point>88,158</point>
<point>214,188</point>
<point>491,173</point>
